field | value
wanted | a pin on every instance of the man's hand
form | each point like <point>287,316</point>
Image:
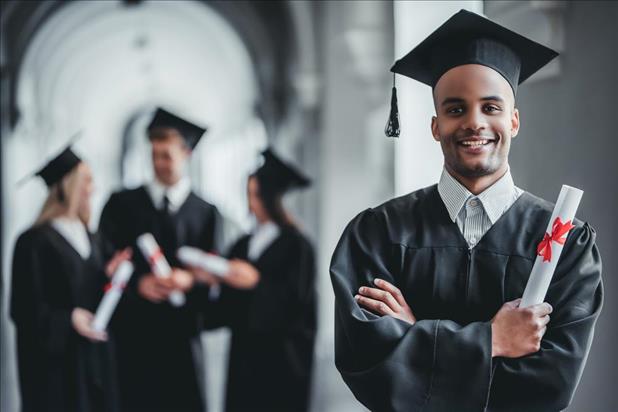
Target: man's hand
<point>116,260</point>
<point>182,279</point>
<point>241,275</point>
<point>385,300</point>
<point>205,277</point>
<point>155,289</point>
<point>516,331</point>
<point>81,319</point>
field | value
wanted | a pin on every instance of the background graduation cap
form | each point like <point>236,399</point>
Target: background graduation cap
<point>191,133</point>
<point>277,177</point>
<point>467,38</point>
<point>58,167</point>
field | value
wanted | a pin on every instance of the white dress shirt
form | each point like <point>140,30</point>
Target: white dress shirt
<point>176,194</point>
<point>263,236</point>
<point>475,215</point>
<point>75,233</point>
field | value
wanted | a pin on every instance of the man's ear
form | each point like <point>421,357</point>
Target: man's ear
<point>514,123</point>
<point>434,128</point>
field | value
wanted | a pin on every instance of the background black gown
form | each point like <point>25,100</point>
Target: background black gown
<point>273,328</point>
<point>443,362</point>
<point>59,370</point>
<point>159,350</point>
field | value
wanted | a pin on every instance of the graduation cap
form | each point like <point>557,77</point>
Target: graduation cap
<point>277,177</point>
<point>190,132</point>
<point>58,167</point>
<point>467,38</point>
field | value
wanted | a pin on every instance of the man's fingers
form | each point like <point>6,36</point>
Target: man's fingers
<point>165,284</point>
<point>513,303</point>
<point>545,320</point>
<point>374,305</point>
<point>542,333</point>
<point>547,308</point>
<point>158,293</point>
<point>381,295</point>
<point>392,289</point>
<point>542,309</point>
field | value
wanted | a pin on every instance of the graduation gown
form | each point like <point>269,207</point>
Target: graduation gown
<point>159,351</point>
<point>59,370</point>
<point>273,328</point>
<point>443,362</point>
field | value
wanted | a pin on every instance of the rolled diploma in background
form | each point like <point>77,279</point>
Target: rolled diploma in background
<point>195,257</point>
<point>112,296</point>
<point>543,271</point>
<point>152,252</point>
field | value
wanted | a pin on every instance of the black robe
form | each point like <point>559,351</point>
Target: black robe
<point>443,362</point>
<point>159,351</point>
<point>273,328</point>
<point>59,370</point>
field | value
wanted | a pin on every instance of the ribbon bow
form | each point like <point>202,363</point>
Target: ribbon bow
<point>156,255</point>
<point>110,285</point>
<point>558,235</point>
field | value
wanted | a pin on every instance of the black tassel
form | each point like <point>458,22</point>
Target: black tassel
<point>392,128</point>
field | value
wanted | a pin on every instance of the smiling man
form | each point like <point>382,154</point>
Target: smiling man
<point>427,285</point>
<point>158,345</point>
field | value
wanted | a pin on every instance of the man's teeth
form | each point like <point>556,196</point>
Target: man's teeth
<point>474,143</point>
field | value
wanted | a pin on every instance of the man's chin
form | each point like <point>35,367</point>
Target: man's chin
<point>165,180</point>
<point>474,171</point>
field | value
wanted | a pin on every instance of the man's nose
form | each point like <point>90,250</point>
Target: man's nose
<point>474,120</point>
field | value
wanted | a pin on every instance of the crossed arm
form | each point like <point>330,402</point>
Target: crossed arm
<point>516,331</point>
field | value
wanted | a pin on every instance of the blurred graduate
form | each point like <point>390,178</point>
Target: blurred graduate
<point>159,348</point>
<point>268,300</point>
<point>58,280</point>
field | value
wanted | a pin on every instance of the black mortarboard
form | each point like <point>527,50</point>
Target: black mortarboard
<point>467,38</point>
<point>59,166</point>
<point>277,177</point>
<point>190,132</point>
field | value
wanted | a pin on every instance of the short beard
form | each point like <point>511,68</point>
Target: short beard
<point>478,171</point>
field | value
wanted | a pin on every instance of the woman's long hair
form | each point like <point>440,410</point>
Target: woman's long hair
<point>64,198</point>
<point>273,203</point>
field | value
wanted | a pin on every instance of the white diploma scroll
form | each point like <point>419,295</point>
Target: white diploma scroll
<point>195,257</point>
<point>550,248</point>
<point>112,296</point>
<point>158,264</point>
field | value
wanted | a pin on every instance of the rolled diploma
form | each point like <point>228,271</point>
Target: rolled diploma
<point>112,296</point>
<point>152,252</point>
<point>214,264</point>
<point>542,272</point>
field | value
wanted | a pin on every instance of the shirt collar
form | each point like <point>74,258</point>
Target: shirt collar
<point>177,194</point>
<point>495,199</point>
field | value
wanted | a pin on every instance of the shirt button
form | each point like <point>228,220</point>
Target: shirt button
<point>473,240</point>
<point>473,202</point>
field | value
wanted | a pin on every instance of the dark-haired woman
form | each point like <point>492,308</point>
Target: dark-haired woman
<point>268,301</point>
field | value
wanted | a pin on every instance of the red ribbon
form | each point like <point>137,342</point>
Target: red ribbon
<point>152,259</point>
<point>109,285</point>
<point>558,234</point>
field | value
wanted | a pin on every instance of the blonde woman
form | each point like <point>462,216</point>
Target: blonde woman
<point>58,279</point>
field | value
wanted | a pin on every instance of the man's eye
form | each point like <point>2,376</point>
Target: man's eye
<point>492,108</point>
<point>454,110</point>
